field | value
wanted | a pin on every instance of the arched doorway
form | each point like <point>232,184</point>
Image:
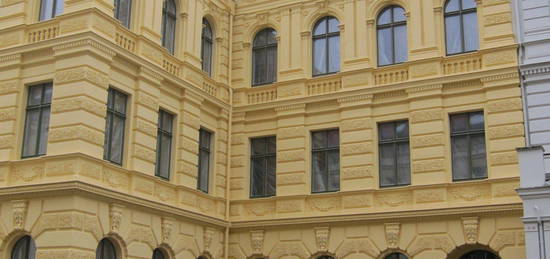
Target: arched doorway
<point>479,254</point>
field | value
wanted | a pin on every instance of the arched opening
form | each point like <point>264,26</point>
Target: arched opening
<point>24,248</point>
<point>479,254</point>
<point>326,46</point>
<point>396,256</point>
<point>476,251</point>
<point>159,254</point>
<point>106,250</point>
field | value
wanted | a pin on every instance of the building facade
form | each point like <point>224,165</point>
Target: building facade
<point>533,34</point>
<point>259,129</point>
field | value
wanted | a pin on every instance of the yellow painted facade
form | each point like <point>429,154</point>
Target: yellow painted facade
<point>69,199</point>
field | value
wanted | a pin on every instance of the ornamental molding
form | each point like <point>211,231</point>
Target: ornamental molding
<point>424,88</point>
<point>86,42</point>
<point>322,238</point>
<point>115,217</point>
<point>207,238</point>
<point>290,107</point>
<point>471,226</point>
<point>500,77</point>
<point>81,74</point>
<point>535,71</point>
<point>19,208</point>
<point>367,98</point>
<point>10,58</point>
<point>257,241</point>
<point>151,73</point>
<point>392,234</point>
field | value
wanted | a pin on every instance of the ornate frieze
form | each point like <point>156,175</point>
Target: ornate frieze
<point>322,238</point>
<point>115,217</point>
<point>257,241</point>
<point>471,228</point>
<point>392,235</point>
<point>19,208</point>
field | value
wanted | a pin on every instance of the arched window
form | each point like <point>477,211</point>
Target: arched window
<point>24,248</point>
<point>396,256</point>
<point>206,50</point>
<point>123,10</point>
<point>105,250</point>
<point>479,254</point>
<point>264,57</point>
<point>392,36</point>
<point>325,257</point>
<point>50,9</point>
<point>158,254</point>
<point>169,25</point>
<point>326,46</point>
<point>461,30</point>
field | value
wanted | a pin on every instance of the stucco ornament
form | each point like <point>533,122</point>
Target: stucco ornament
<point>321,236</point>
<point>167,226</point>
<point>257,241</point>
<point>392,235</point>
<point>115,214</point>
<point>19,208</point>
<point>470,225</point>
<point>208,233</point>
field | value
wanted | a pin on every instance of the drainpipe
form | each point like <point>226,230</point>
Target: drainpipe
<point>540,235</point>
<point>229,133</point>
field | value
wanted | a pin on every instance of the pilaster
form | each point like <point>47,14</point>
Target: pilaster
<point>11,105</point>
<point>188,147</point>
<point>79,99</point>
<point>356,143</point>
<point>239,142</point>
<point>427,135</point>
<point>145,118</point>
<point>291,150</point>
<point>105,6</point>
<point>220,174</point>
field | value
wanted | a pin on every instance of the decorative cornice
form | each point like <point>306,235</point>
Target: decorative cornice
<point>290,107</point>
<point>85,42</point>
<point>355,98</point>
<point>499,77</point>
<point>8,58</point>
<point>535,71</point>
<point>424,88</point>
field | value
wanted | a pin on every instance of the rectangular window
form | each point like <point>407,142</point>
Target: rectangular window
<point>468,146</point>
<point>325,153</point>
<point>205,138</point>
<point>114,128</point>
<point>37,120</point>
<point>164,144</point>
<point>123,10</point>
<point>394,157</point>
<point>262,167</point>
<point>50,9</point>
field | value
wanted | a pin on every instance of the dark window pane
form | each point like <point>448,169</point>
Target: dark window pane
<point>320,27</point>
<point>401,53</point>
<point>319,172</point>
<point>319,139</point>
<point>402,129</point>
<point>452,5</point>
<point>471,37</point>
<point>479,163</point>
<point>46,9</point>
<point>403,164</point>
<point>258,177</point>
<point>157,254</point>
<point>385,52</point>
<point>387,165</point>
<point>459,149</point>
<point>58,7</point>
<point>271,37</point>
<point>35,95</point>
<point>452,34</point>
<point>120,102</point>
<point>333,165</point>
<point>117,140</point>
<point>271,62</point>
<point>334,54</point>
<point>164,144</point>
<point>386,131</point>
<point>204,166</point>
<point>44,127</point>
<point>333,138</point>
<point>459,122</point>
<point>468,4</point>
<point>261,39</point>
<point>122,11</point>
<point>476,121</point>
<point>399,15</point>
<point>258,146</point>
<point>31,133</point>
<point>271,176</point>
<point>333,25</point>
<point>319,56</point>
<point>271,145</point>
<point>384,17</point>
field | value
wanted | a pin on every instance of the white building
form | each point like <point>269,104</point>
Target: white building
<point>532,25</point>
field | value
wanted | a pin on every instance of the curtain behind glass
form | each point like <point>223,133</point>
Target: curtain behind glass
<point>123,11</point>
<point>264,57</point>
<point>50,9</point>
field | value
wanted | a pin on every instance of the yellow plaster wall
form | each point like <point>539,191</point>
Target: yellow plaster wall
<point>68,195</point>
